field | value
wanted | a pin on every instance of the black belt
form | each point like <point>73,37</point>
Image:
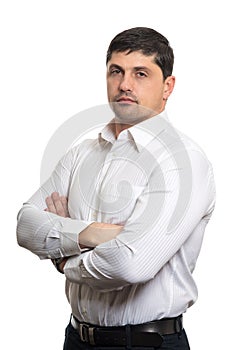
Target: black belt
<point>145,334</point>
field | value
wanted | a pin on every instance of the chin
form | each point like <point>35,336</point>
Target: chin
<point>131,113</point>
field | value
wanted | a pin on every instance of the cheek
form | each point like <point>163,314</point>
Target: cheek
<point>148,93</point>
<point>155,93</point>
<point>153,98</point>
<point>111,88</point>
<point>109,93</point>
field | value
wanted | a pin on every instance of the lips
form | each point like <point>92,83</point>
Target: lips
<point>126,100</point>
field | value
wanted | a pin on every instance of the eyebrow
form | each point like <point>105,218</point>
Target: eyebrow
<point>115,66</point>
<point>137,68</point>
<point>142,68</point>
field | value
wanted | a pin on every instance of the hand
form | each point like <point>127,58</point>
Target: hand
<point>98,233</point>
<point>57,204</point>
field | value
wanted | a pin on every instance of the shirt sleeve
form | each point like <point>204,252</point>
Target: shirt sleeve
<point>178,199</point>
<point>46,234</point>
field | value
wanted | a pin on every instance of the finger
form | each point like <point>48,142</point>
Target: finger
<point>58,204</point>
<point>50,205</point>
<point>65,205</point>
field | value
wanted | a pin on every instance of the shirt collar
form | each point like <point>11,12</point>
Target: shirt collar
<point>107,134</point>
<point>141,134</point>
<point>144,132</point>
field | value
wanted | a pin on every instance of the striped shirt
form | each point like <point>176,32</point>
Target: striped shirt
<point>158,184</point>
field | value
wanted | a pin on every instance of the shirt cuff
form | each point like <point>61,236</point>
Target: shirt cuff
<point>69,236</point>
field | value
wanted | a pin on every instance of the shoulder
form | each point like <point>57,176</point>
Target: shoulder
<point>192,147</point>
<point>182,152</point>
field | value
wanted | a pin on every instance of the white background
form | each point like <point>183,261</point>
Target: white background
<point>53,66</point>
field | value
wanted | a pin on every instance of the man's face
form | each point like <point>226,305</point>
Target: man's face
<point>134,81</point>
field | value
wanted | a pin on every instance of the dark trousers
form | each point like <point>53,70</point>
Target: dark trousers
<point>171,342</point>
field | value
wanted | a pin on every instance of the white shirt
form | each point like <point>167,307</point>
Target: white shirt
<point>159,185</point>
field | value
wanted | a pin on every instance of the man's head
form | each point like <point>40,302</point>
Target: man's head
<point>139,72</point>
<point>149,42</point>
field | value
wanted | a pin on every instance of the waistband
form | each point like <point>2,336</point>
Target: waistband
<point>145,334</point>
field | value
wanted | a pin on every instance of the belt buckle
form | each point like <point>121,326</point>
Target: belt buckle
<point>86,333</point>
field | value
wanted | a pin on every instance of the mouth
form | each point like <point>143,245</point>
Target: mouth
<point>126,100</point>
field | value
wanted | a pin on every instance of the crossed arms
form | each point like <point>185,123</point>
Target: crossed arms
<point>123,255</point>
<point>95,234</point>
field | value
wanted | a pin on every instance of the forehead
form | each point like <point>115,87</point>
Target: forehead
<point>132,59</point>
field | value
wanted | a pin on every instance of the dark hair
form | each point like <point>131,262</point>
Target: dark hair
<point>149,42</point>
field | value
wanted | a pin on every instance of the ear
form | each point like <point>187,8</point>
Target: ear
<point>169,84</point>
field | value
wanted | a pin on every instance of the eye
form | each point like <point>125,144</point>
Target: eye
<point>141,74</point>
<point>115,71</point>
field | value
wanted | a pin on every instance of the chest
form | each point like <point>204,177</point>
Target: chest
<point>106,184</point>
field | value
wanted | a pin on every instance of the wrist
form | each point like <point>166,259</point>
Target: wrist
<point>62,265</point>
<point>59,263</point>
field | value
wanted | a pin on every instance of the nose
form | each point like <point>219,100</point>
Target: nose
<point>126,83</point>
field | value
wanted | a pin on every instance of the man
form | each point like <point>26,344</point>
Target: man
<point>123,216</point>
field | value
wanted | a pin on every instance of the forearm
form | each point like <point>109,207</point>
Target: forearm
<point>51,236</point>
<point>47,234</point>
<point>97,233</point>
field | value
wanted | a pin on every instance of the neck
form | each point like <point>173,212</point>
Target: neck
<point>120,127</point>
